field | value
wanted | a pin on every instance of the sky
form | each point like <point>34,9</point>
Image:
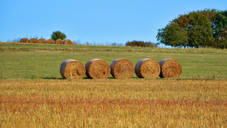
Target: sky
<point>94,21</point>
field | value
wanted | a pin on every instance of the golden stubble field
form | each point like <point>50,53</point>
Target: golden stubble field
<point>113,103</point>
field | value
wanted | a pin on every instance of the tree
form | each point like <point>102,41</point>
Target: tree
<point>202,28</point>
<point>58,35</point>
<point>173,35</point>
<point>183,21</point>
<point>220,24</point>
<point>199,29</point>
<point>210,14</point>
<point>223,34</point>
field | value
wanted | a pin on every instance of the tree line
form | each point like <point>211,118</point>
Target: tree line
<point>196,29</point>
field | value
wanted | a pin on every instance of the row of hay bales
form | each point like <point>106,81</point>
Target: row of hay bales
<point>43,41</point>
<point>120,69</point>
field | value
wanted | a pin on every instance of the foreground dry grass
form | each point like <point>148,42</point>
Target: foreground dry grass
<point>113,103</point>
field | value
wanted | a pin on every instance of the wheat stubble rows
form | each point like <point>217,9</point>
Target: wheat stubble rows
<point>113,103</point>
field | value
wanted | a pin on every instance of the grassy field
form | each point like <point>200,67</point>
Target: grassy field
<point>30,63</point>
<point>33,93</point>
<point>104,48</point>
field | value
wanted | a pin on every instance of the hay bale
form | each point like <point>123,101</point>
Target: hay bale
<point>97,69</point>
<point>72,69</point>
<point>122,68</point>
<point>42,41</point>
<point>170,68</point>
<point>59,41</point>
<point>24,40</point>
<point>68,42</point>
<point>33,40</point>
<point>147,68</point>
<point>50,41</point>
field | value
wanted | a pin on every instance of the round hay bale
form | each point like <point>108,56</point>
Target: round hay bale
<point>147,68</point>
<point>68,42</point>
<point>170,68</point>
<point>50,41</point>
<point>33,40</point>
<point>42,41</point>
<point>72,69</point>
<point>24,40</point>
<point>122,68</point>
<point>59,41</point>
<point>97,69</point>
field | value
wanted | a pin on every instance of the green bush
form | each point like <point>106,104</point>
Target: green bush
<point>141,44</point>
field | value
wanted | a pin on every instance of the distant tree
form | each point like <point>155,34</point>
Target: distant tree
<point>58,35</point>
<point>194,29</point>
<point>199,29</point>
<point>220,24</point>
<point>173,35</point>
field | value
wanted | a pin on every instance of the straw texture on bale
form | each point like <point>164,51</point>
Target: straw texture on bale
<point>147,68</point>
<point>97,69</point>
<point>59,41</point>
<point>72,69</point>
<point>24,40</point>
<point>33,40</point>
<point>68,42</point>
<point>122,68</point>
<point>50,41</point>
<point>42,41</point>
<point>170,68</point>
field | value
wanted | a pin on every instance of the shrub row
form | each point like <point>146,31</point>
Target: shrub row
<point>141,44</point>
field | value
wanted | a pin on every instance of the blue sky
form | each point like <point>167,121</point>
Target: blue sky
<point>98,21</point>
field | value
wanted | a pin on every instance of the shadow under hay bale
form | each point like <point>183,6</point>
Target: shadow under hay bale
<point>97,69</point>
<point>42,41</point>
<point>59,41</point>
<point>67,42</point>
<point>122,68</point>
<point>24,40</point>
<point>72,69</point>
<point>170,68</point>
<point>50,41</point>
<point>147,68</point>
<point>33,40</point>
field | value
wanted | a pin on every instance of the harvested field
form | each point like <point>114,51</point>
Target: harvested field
<point>39,97</point>
<point>113,103</point>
